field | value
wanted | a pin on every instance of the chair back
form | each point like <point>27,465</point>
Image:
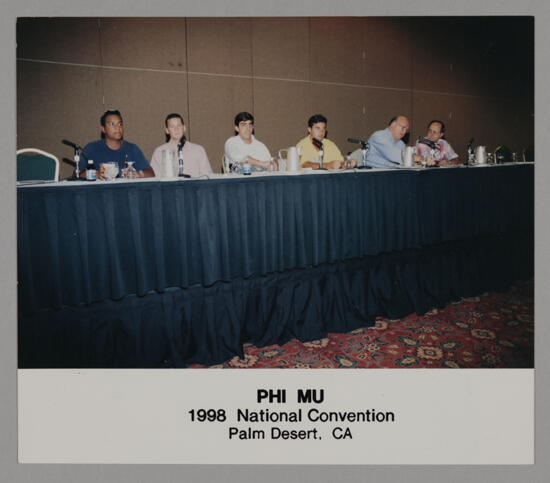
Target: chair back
<point>503,155</point>
<point>225,165</point>
<point>35,164</point>
<point>528,155</point>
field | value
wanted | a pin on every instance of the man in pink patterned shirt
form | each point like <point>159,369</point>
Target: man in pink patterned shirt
<point>434,149</point>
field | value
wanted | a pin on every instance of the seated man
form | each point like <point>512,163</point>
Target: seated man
<point>315,147</point>
<point>243,147</point>
<point>194,159</point>
<point>385,146</point>
<point>112,148</point>
<point>434,149</point>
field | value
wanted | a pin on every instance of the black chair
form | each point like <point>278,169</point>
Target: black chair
<point>503,155</point>
<point>529,155</point>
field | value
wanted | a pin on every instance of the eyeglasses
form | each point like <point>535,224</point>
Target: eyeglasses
<point>434,132</point>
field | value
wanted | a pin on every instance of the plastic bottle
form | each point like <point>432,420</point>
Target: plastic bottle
<point>91,174</point>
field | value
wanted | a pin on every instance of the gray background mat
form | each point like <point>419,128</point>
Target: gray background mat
<point>12,472</point>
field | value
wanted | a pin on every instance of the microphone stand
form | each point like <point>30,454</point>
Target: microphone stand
<point>364,150</point>
<point>76,175</point>
<point>77,148</point>
<point>321,160</point>
<point>319,145</point>
<point>181,174</point>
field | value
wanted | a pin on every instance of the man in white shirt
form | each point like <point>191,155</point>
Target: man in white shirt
<point>244,147</point>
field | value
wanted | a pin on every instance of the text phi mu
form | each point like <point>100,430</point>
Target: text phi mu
<point>279,395</point>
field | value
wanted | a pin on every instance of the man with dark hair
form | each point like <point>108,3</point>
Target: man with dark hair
<point>193,156</point>
<point>315,148</point>
<point>113,148</point>
<point>243,147</point>
<point>386,145</point>
<point>433,148</point>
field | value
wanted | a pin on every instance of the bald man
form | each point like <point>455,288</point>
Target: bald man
<point>385,146</point>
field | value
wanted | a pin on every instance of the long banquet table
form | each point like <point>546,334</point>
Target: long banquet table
<point>158,273</point>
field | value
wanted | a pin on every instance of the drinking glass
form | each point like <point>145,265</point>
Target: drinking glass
<point>131,172</point>
<point>111,171</point>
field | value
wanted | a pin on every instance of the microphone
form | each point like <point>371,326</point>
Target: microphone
<point>69,143</point>
<point>181,174</point>
<point>319,145</point>
<point>365,147</point>
<point>76,147</point>
<point>358,141</point>
<point>181,143</point>
<point>426,141</point>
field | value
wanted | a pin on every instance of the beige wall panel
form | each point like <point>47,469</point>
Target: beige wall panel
<point>435,65</point>
<point>145,98</point>
<point>281,48</point>
<point>382,104</point>
<point>448,58</point>
<point>281,112</point>
<point>59,39</point>
<point>214,102</point>
<point>433,74</point>
<point>344,109</point>
<point>56,102</point>
<point>471,75</point>
<point>387,52</point>
<point>220,45</point>
<point>152,43</point>
<point>337,47</point>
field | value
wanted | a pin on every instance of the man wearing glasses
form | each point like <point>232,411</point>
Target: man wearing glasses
<point>243,147</point>
<point>113,148</point>
<point>434,149</point>
<point>385,146</point>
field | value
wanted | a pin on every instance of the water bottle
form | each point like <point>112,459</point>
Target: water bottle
<point>90,171</point>
<point>470,152</point>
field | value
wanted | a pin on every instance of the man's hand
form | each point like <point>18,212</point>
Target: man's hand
<point>100,173</point>
<point>310,164</point>
<point>337,164</point>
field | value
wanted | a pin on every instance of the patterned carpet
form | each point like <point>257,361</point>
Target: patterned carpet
<point>491,330</point>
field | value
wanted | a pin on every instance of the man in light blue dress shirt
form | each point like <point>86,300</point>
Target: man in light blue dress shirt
<point>385,146</point>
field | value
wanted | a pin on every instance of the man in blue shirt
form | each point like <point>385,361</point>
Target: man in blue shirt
<point>385,146</point>
<point>113,148</point>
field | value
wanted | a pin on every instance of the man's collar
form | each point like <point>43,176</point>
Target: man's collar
<point>252,138</point>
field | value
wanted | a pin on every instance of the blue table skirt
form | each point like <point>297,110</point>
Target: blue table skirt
<point>166,274</point>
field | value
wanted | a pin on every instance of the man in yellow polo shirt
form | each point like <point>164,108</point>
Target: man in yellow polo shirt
<point>314,148</point>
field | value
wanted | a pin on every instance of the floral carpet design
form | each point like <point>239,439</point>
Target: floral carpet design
<point>493,330</point>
